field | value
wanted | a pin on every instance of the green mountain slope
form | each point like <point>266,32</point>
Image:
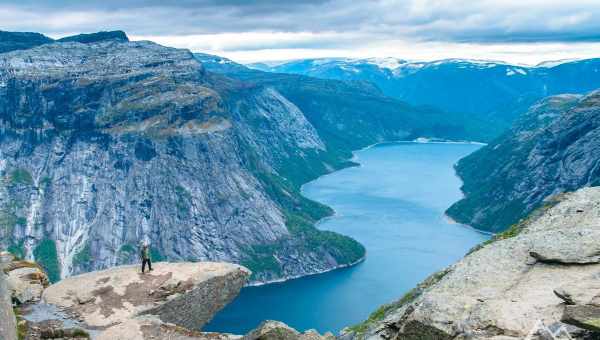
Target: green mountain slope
<point>553,148</point>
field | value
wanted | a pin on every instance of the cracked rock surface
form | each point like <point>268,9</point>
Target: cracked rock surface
<point>185,294</point>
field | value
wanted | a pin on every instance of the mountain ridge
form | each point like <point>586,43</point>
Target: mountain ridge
<point>13,41</point>
<point>494,91</point>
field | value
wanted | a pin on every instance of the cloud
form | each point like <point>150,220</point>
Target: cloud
<point>236,26</point>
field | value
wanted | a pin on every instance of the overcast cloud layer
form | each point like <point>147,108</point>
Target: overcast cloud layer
<point>525,31</point>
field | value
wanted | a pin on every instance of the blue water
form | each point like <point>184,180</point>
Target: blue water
<point>394,205</point>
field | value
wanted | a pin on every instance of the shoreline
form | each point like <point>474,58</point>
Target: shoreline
<point>354,158</point>
<point>450,220</point>
<point>290,278</point>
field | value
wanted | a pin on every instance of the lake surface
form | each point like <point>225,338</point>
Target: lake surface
<point>394,205</point>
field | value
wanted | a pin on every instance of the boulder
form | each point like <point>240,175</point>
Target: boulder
<point>569,246</point>
<point>272,330</point>
<point>275,330</point>
<point>582,292</point>
<point>26,280</point>
<point>183,294</point>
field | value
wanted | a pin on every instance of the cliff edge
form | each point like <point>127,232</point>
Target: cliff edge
<point>8,323</point>
<point>184,294</point>
<point>174,301</point>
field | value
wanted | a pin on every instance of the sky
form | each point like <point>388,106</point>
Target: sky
<point>516,31</point>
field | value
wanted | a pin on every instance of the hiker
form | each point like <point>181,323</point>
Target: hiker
<point>145,255</point>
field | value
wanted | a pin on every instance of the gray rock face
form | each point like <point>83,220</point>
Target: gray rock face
<point>8,323</point>
<point>110,143</point>
<point>552,149</point>
<point>562,250</point>
<point>26,281</point>
<point>501,291</point>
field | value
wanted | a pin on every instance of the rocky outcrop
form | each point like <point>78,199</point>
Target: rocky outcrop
<point>185,294</point>
<point>553,148</point>
<point>8,323</point>
<point>275,330</point>
<point>172,302</point>
<point>25,280</point>
<point>582,302</point>
<point>540,276</point>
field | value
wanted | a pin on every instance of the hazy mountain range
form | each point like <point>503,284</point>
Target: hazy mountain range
<point>494,91</point>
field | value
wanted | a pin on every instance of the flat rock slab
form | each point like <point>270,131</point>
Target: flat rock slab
<point>184,294</point>
<point>570,246</point>
<point>585,291</point>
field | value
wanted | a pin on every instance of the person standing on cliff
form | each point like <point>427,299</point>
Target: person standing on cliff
<point>145,255</point>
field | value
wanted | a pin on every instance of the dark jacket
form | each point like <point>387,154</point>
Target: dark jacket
<point>145,253</point>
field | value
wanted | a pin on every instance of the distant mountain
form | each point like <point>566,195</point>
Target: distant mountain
<point>356,112</point>
<point>12,41</point>
<point>494,91</point>
<point>87,38</point>
<point>552,148</point>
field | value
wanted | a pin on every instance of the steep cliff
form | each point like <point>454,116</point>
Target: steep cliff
<point>537,281</point>
<point>106,144</point>
<point>553,148</point>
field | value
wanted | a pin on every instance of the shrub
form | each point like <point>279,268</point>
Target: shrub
<point>21,176</point>
<point>83,257</point>
<point>17,250</point>
<point>45,254</point>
